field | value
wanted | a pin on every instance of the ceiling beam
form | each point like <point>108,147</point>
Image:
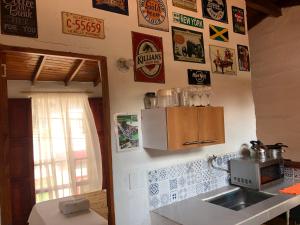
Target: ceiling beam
<point>38,69</point>
<point>74,71</point>
<point>265,6</point>
<point>99,78</point>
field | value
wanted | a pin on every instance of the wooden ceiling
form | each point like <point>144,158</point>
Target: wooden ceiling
<point>35,67</point>
<point>257,10</point>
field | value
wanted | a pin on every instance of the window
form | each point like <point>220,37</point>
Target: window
<point>66,150</point>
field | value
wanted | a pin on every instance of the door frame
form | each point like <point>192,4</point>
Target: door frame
<point>5,195</point>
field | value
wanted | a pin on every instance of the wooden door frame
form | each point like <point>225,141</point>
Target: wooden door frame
<point>5,195</point>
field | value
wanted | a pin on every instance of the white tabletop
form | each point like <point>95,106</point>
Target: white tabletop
<point>47,213</point>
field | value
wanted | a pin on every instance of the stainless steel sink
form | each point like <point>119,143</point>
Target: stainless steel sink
<point>239,199</point>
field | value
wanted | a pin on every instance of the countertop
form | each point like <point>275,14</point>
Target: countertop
<point>195,211</point>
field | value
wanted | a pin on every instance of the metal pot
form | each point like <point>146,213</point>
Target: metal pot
<point>275,151</point>
<point>259,150</point>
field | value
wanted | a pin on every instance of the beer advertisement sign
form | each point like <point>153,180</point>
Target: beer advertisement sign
<point>153,14</point>
<point>215,10</point>
<point>148,58</point>
<point>238,17</point>
<point>19,18</point>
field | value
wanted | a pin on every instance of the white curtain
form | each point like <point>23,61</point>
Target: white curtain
<point>67,153</point>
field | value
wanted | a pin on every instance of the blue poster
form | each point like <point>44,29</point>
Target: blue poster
<point>215,10</point>
<point>116,6</point>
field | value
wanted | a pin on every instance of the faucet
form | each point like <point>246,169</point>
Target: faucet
<point>211,160</point>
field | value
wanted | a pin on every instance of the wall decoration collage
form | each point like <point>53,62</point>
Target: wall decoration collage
<point>20,19</point>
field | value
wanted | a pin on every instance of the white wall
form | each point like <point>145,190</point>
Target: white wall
<point>232,92</point>
<point>275,48</point>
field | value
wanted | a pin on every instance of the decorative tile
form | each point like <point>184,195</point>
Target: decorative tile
<point>181,181</point>
<point>173,196</point>
<point>288,173</point>
<point>162,174</point>
<point>186,180</point>
<point>173,184</point>
<point>182,194</point>
<point>219,161</point>
<point>153,189</point>
<point>153,176</point>
<point>189,167</point>
<point>297,173</point>
<point>164,199</point>
<point>199,188</point>
<point>154,202</point>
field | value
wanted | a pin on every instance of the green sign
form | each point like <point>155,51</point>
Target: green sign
<point>187,20</point>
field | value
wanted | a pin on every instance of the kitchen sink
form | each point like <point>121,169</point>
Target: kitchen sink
<point>239,199</point>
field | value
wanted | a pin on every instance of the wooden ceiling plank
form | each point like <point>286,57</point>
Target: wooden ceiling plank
<point>265,6</point>
<point>99,79</point>
<point>39,68</point>
<point>74,71</point>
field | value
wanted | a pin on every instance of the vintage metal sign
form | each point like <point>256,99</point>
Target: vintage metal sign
<point>188,45</point>
<point>199,77</point>
<point>238,17</point>
<point>149,59</point>
<point>186,4</point>
<point>82,25</point>
<point>215,10</point>
<point>153,14</point>
<point>116,6</point>
<point>187,20</point>
<point>243,58</point>
<point>218,33</point>
<point>19,18</point>
<point>223,60</point>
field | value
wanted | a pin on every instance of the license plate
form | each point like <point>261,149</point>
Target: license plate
<point>82,25</point>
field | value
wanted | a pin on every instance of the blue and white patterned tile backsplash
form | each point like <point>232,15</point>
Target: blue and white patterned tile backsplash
<point>179,182</point>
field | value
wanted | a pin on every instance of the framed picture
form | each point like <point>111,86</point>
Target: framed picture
<point>186,4</point>
<point>18,18</point>
<point>238,17</point>
<point>116,6</point>
<point>127,132</point>
<point>215,10</point>
<point>149,58</point>
<point>153,14</point>
<point>243,58</point>
<point>218,33</point>
<point>223,60</point>
<point>199,77</point>
<point>188,45</point>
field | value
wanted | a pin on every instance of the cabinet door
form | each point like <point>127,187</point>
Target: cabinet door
<point>182,127</point>
<point>211,125</point>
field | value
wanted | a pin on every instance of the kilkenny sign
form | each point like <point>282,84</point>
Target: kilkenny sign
<point>187,20</point>
<point>19,18</point>
<point>82,25</point>
<point>199,77</point>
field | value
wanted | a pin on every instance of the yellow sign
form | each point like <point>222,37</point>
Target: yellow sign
<point>82,25</point>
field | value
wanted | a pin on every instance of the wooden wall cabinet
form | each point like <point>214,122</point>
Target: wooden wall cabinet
<point>179,128</point>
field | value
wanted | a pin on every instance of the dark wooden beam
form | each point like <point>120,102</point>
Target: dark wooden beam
<point>265,6</point>
<point>38,69</point>
<point>5,187</point>
<point>74,71</point>
<point>101,71</point>
<point>288,3</point>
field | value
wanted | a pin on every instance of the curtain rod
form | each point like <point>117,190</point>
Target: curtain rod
<point>56,92</point>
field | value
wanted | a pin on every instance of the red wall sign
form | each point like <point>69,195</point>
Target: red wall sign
<point>148,58</point>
